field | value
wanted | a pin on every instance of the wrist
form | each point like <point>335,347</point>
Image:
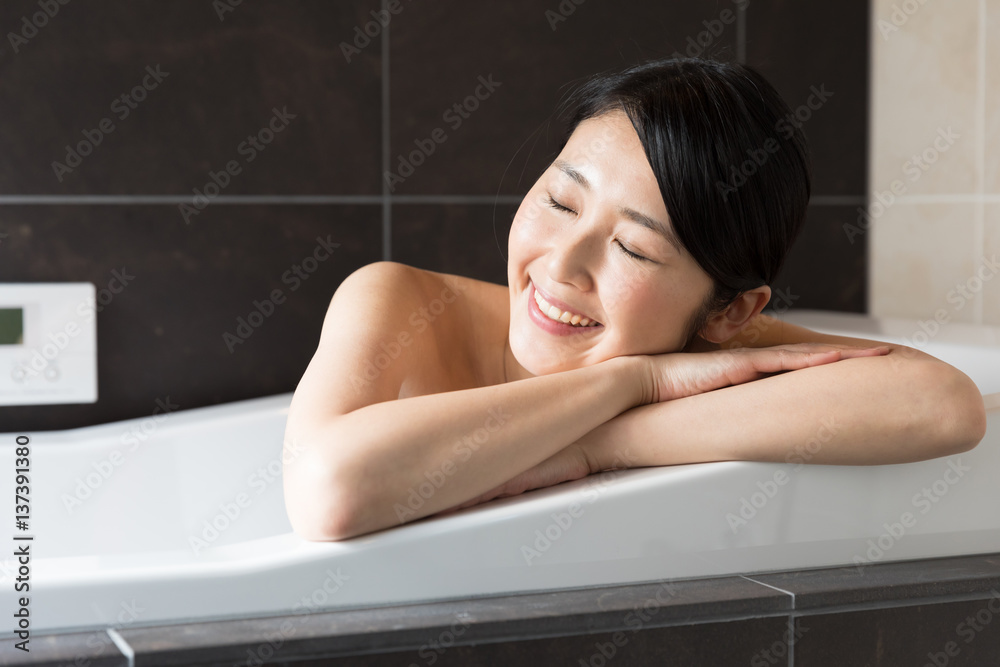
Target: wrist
<point>635,379</point>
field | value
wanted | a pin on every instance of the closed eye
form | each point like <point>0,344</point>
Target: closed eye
<point>630,253</point>
<point>559,207</point>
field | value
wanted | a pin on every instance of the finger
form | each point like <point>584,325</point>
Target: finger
<point>822,347</point>
<point>874,351</point>
<point>788,360</point>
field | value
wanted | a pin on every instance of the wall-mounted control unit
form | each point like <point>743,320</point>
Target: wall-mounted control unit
<point>48,343</point>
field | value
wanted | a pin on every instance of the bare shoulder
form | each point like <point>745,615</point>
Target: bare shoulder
<point>355,363</point>
<point>448,327</point>
<point>391,330</point>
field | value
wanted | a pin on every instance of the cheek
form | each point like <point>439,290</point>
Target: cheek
<point>529,228</point>
<point>521,246</point>
<point>651,313</point>
<point>630,302</point>
<point>619,290</point>
<point>530,213</point>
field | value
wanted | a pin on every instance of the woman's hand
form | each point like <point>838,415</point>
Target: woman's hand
<point>679,374</point>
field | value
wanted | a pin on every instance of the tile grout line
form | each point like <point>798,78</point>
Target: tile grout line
<point>790,628</point>
<point>741,34</point>
<point>850,607</point>
<point>25,200</point>
<point>791,640</point>
<point>457,199</point>
<point>870,148</point>
<point>962,198</point>
<point>122,645</point>
<point>780,590</point>
<point>386,153</point>
<point>14,200</point>
<point>979,249</point>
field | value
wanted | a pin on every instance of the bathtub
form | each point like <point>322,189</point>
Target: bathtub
<point>179,517</point>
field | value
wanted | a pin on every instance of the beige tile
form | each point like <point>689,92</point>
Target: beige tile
<point>991,177</point>
<point>918,255</point>
<point>991,249</point>
<point>924,82</point>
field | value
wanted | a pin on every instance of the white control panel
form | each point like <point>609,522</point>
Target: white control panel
<point>48,343</point>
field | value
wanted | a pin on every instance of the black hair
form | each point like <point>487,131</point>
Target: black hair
<point>732,165</point>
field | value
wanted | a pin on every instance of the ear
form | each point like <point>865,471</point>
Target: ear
<point>723,326</point>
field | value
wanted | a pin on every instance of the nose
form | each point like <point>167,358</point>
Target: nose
<point>573,255</point>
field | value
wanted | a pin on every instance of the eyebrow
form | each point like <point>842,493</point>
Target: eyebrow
<point>633,215</point>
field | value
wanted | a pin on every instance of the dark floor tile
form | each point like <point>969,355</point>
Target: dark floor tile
<point>888,582</point>
<point>824,270</point>
<point>85,649</point>
<point>164,333</point>
<point>468,240</point>
<point>481,621</point>
<point>802,47</point>
<point>954,634</point>
<point>225,76</point>
<point>439,51</point>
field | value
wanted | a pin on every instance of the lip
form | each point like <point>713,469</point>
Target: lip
<point>551,326</point>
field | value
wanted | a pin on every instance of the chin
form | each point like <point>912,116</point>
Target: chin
<point>537,362</point>
<point>533,359</point>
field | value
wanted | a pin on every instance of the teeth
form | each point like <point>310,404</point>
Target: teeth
<point>567,317</point>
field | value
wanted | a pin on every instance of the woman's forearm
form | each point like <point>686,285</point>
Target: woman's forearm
<point>400,460</point>
<point>872,410</point>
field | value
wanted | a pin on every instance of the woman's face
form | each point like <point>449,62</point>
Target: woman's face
<point>605,203</point>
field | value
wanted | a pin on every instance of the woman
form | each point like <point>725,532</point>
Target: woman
<point>631,332</point>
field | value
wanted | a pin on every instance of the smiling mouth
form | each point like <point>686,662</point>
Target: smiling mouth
<point>563,316</point>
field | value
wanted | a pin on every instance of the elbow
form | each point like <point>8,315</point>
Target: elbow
<point>973,428</point>
<point>319,515</point>
<point>960,419</point>
<point>321,521</point>
<point>322,506</point>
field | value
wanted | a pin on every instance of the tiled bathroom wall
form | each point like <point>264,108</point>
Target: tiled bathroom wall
<point>201,162</point>
<point>934,212</point>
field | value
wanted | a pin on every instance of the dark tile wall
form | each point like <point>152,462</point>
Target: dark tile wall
<point>312,113</point>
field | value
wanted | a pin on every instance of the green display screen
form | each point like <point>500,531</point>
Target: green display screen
<point>11,326</point>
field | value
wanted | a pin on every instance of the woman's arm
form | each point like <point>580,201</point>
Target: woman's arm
<point>399,460</point>
<point>396,461</point>
<point>901,407</point>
